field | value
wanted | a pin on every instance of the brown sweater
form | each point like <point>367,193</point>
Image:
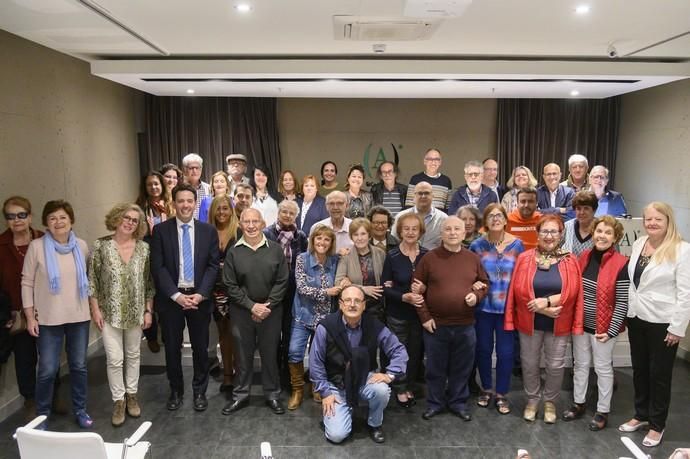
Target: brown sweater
<point>448,277</point>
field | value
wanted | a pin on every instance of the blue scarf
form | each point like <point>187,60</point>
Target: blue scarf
<point>51,246</point>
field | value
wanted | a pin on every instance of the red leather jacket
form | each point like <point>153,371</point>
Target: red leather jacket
<point>521,291</point>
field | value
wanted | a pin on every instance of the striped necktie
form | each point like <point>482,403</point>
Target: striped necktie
<point>188,261</point>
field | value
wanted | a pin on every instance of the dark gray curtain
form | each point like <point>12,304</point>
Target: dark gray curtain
<point>534,132</point>
<point>212,127</point>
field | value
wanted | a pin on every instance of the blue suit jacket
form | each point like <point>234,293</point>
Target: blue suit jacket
<point>165,258</point>
<point>486,197</point>
<point>317,212</point>
<point>564,198</point>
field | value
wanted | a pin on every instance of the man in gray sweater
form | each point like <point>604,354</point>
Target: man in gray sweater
<point>256,274</point>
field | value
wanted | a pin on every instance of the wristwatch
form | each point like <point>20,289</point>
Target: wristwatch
<point>391,376</point>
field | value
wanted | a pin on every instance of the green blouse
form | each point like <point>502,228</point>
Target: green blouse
<point>121,289</point>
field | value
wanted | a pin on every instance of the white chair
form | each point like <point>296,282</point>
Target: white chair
<point>39,444</point>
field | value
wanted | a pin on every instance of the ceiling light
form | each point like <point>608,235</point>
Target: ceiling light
<point>582,9</point>
<point>243,7</point>
<point>190,91</point>
<point>574,93</point>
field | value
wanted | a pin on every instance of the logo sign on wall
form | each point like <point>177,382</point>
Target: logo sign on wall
<point>373,159</point>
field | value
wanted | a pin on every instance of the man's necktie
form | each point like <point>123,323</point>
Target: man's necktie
<point>187,254</point>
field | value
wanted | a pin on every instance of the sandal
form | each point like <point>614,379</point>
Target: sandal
<point>484,399</point>
<point>502,405</point>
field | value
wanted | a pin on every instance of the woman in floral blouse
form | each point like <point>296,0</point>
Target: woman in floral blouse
<point>121,298</point>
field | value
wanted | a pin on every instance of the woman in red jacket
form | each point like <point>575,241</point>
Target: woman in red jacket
<point>544,305</point>
<point>605,284</point>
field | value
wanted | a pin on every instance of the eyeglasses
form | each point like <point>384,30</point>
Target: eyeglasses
<point>251,222</point>
<point>598,177</point>
<point>549,233</point>
<point>390,172</point>
<point>473,174</point>
<point>352,302</point>
<point>422,193</point>
<point>380,223</point>
<point>433,160</point>
<point>133,220</point>
<point>495,217</point>
<point>18,215</point>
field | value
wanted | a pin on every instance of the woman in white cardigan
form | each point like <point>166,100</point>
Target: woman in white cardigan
<point>658,316</point>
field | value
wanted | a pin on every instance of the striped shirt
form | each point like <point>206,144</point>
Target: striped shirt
<point>391,201</point>
<point>589,284</point>
<point>441,186</point>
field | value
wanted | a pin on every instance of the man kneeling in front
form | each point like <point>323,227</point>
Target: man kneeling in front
<point>343,366</point>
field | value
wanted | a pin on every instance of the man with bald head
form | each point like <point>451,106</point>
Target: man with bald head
<point>453,281</point>
<point>554,198</point>
<point>255,274</point>
<point>433,218</point>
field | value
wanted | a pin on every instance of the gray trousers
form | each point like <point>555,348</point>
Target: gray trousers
<point>246,336</point>
<point>554,361</point>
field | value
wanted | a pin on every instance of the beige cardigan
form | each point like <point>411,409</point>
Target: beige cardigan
<point>63,308</point>
<point>348,266</point>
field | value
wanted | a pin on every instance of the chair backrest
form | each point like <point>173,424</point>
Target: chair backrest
<point>38,444</point>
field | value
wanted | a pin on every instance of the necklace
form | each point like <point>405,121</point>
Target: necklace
<point>21,253</point>
<point>645,259</point>
<point>497,243</point>
<point>544,259</point>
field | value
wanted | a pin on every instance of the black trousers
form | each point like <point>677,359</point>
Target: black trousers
<point>151,333</point>
<point>25,359</point>
<point>652,363</point>
<point>409,333</point>
<point>245,335</point>
<point>172,321</point>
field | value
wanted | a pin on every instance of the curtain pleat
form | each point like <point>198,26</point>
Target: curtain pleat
<point>534,132</point>
<point>212,127</point>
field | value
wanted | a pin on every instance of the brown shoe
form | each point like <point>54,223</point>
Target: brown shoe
<point>574,412</point>
<point>153,345</point>
<point>297,383</point>
<point>599,421</point>
<point>133,408</point>
<point>118,413</point>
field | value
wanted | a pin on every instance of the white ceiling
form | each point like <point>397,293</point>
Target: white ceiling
<point>287,48</point>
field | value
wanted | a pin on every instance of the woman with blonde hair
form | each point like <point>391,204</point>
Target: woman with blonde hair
<point>658,315</point>
<point>121,298</point>
<point>220,186</point>
<point>522,177</point>
<point>226,222</point>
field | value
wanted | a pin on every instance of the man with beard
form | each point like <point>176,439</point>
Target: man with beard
<point>522,222</point>
<point>474,193</point>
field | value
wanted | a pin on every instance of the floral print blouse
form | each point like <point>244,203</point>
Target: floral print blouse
<point>121,289</point>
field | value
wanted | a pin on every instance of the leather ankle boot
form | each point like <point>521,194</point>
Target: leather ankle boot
<point>297,383</point>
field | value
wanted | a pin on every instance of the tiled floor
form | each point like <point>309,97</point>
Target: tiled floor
<point>186,434</point>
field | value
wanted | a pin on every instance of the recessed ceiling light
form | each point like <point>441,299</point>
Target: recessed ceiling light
<point>574,93</point>
<point>190,91</point>
<point>582,9</point>
<point>243,7</point>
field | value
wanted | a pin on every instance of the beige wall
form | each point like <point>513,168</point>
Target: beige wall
<point>654,153</point>
<point>315,130</point>
<point>63,134</point>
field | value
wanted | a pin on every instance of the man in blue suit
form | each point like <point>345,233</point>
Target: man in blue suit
<point>184,265</point>
<point>554,198</point>
<point>473,193</point>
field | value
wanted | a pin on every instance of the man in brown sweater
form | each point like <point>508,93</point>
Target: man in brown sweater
<point>448,277</point>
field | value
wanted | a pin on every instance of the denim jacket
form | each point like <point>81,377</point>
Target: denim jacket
<point>311,302</point>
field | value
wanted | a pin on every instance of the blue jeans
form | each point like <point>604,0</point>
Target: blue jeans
<point>487,325</point>
<point>299,337</point>
<point>339,426</point>
<point>50,339</point>
<point>449,360</point>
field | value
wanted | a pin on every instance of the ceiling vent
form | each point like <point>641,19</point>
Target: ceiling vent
<point>382,29</point>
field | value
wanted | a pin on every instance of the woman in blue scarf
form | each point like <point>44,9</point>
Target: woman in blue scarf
<point>55,292</point>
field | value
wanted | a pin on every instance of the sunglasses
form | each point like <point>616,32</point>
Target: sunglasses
<point>20,215</point>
